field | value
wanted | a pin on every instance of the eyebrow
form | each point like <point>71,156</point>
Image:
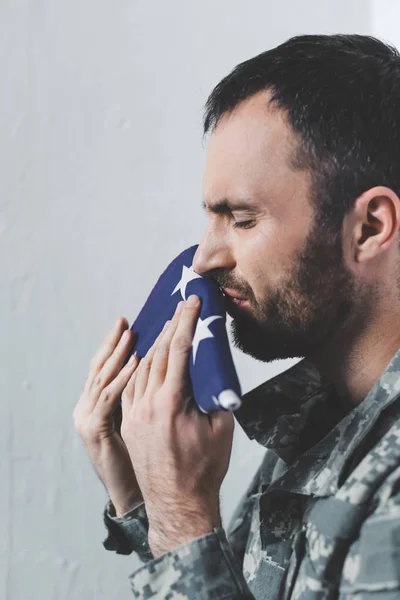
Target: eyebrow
<point>223,207</point>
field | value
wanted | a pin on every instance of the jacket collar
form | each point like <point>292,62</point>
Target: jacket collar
<point>278,412</point>
<point>298,415</point>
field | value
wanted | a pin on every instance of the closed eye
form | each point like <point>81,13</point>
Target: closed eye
<point>244,224</point>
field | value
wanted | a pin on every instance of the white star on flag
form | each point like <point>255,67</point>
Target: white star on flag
<point>188,274</point>
<point>202,332</point>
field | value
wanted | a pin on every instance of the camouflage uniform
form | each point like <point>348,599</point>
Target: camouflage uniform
<point>321,518</point>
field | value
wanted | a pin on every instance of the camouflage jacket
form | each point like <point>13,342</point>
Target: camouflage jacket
<point>321,518</point>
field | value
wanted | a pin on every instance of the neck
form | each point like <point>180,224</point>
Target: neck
<point>356,357</point>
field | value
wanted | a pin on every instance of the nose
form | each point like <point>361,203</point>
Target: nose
<point>212,253</point>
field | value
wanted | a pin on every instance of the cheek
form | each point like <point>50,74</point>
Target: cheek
<point>255,264</point>
<point>266,260</point>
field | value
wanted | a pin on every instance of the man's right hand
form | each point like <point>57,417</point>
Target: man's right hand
<point>94,421</point>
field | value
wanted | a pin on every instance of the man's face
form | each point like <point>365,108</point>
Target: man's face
<point>292,273</point>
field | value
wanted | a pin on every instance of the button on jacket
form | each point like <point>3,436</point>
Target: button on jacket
<point>321,518</point>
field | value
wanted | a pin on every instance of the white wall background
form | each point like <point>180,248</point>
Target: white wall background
<point>101,163</point>
<point>385,19</point>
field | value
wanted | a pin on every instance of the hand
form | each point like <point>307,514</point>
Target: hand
<point>94,421</point>
<point>179,454</point>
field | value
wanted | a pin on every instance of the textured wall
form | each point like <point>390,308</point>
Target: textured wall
<point>385,19</point>
<point>101,165</point>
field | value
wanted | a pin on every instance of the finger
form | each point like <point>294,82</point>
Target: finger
<point>144,372</point>
<point>112,366</point>
<point>181,345</point>
<point>159,364</point>
<point>130,392</point>
<point>111,394</point>
<point>105,350</point>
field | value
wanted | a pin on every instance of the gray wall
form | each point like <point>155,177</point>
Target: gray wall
<point>101,166</point>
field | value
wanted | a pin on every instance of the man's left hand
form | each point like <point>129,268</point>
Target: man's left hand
<point>180,456</point>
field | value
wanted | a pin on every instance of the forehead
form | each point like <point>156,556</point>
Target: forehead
<point>250,149</point>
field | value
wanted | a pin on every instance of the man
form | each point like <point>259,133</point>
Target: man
<point>302,187</point>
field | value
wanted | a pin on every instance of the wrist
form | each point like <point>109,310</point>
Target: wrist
<point>161,542</point>
<point>182,527</point>
<point>127,504</point>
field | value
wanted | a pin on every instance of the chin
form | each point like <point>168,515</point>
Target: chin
<point>248,337</point>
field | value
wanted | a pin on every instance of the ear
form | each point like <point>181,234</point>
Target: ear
<point>372,227</point>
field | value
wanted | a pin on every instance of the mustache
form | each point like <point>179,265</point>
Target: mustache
<point>233,286</point>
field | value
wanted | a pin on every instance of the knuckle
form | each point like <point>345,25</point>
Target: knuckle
<point>121,348</point>
<point>106,395</point>
<point>172,401</point>
<point>104,355</point>
<point>98,381</point>
<point>146,363</point>
<point>108,347</point>
<point>79,425</point>
<point>173,395</point>
<point>162,349</point>
<point>94,372</point>
<point>89,426</point>
<point>180,344</point>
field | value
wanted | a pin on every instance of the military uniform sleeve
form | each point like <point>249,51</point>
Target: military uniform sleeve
<point>371,570</point>
<point>127,533</point>
<point>204,568</point>
<point>208,567</point>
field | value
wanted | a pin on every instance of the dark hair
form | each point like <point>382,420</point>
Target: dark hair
<point>342,96</point>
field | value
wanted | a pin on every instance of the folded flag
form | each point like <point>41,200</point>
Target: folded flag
<point>213,375</point>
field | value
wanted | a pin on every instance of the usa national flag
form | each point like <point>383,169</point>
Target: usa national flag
<point>213,375</point>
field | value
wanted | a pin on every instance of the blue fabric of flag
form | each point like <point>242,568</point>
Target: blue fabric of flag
<point>213,375</point>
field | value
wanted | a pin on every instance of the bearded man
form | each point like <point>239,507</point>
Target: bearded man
<point>301,187</point>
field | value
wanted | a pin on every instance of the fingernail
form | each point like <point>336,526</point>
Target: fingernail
<point>125,335</point>
<point>192,301</point>
<point>166,324</point>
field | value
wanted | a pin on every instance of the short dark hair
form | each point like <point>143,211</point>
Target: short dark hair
<point>342,96</point>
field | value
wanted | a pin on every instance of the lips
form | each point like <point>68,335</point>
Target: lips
<point>233,294</point>
<point>233,301</point>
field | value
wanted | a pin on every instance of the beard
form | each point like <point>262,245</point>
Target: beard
<point>317,298</point>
